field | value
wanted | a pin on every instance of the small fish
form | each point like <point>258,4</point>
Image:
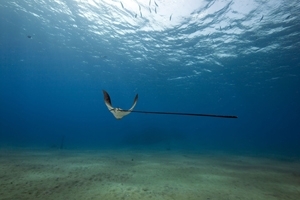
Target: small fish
<point>150,10</point>
<point>139,7</point>
<point>149,2</point>
<point>220,28</point>
<point>288,17</point>
<point>155,3</point>
<point>135,15</point>
<point>261,18</point>
<point>155,10</point>
<point>141,14</point>
<point>121,4</point>
<point>170,17</point>
<point>29,36</point>
<point>230,26</point>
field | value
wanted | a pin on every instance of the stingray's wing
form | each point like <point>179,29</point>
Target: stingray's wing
<point>134,102</point>
<point>107,100</point>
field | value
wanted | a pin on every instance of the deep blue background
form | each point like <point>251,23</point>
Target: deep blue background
<point>51,87</point>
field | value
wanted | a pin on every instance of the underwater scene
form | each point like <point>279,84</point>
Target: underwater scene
<point>150,99</point>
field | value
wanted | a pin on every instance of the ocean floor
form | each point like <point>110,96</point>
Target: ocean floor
<point>130,175</point>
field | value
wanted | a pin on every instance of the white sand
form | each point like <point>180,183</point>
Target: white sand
<point>150,175</point>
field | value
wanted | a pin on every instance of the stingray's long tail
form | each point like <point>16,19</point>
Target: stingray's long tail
<point>189,114</point>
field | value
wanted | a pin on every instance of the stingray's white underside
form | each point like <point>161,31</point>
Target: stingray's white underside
<point>119,113</point>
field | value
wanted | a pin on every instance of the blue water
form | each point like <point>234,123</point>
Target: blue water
<point>214,57</point>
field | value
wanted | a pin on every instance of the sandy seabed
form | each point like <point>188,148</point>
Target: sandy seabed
<point>130,175</point>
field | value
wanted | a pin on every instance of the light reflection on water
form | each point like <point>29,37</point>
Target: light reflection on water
<point>181,32</point>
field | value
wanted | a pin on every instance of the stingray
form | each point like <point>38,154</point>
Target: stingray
<point>119,113</point>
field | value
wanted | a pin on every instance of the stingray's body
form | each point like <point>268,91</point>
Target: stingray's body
<point>118,112</point>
